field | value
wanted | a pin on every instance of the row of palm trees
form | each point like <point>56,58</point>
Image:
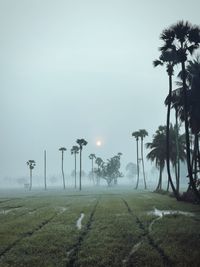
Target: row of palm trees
<point>74,151</point>
<point>179,43</point>
<point>141,134</point>
<point>158,153</point>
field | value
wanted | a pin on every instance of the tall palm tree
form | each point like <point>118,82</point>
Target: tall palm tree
<point>137,135</point>
<point>143,133</point>
<point>74,151</point>
<point>177,151</point>
<point>31,164</point>
<point>158,152</point>
<point>81,143</point>
<point>63,149</point>
<point>45,170</point>
<point>185,39</point>
<point>92,157</point>
<point>168,58</point>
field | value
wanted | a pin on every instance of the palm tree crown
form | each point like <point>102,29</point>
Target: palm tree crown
<point>31,163</point>
<point>81,142</point>
<point>74,150</point>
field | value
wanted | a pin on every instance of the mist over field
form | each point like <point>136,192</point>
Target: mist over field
<point>80,69</point>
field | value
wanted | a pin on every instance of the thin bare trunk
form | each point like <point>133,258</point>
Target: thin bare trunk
<point>137,166</point>
<point>80,185</point>
<point>159,186</point>
<point>75,168</point>
<point>45,170</point>
<point>63,175</point>
<point>142,156</point>
<point>30,186</point>
<point>168,140</point>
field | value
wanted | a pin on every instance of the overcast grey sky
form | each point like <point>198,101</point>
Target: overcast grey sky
<point>80,69</point>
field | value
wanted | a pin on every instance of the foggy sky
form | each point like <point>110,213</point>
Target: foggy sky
<point>80,69</point>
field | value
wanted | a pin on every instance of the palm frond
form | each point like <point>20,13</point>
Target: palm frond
<point>157,63</point>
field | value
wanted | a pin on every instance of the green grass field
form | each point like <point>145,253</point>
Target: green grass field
<point>39,229</point>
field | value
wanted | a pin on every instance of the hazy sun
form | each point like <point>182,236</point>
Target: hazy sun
<point>98,143</point>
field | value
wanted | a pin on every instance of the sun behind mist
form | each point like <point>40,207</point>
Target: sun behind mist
<point>98,143</point>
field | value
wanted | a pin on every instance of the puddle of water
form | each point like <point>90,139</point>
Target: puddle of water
<point>6,211</point>
<point>79,221</point>
<point>161,213</point>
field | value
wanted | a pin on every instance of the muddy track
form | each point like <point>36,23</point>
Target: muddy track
<point>8,200</point>
<point>25,235</point>
<point>73,252</point>
<point>166,260</point>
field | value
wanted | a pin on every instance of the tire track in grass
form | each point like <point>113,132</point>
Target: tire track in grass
<point>25,235</point>
<point>73,251</point>
<point>166,260</point>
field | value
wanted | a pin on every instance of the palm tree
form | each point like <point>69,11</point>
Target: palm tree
<point>137,135</point>
<point>81,143</point>
<point>92,157</point>
<point>31,163</point>
<point>185,39</point>
<point>45,170</point>
<point>143,133</point>
<point>158,152</point>
<point>168,58</point>
<point>63,149</point>
<point>74,151</point>
<point>177,151</point>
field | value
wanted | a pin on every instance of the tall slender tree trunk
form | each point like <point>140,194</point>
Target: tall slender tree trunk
<point>159,186</point>
<point>45,170</point>
<point>168,139</point>
<point>189,165</point>
<point>138,171</point>
<point>177,164</point>
<point>30,186</point>
<point>80,169</point>
<point>63,175</point>
<point>142,156</point>
<point>75,169</point>
<point>195,157</point>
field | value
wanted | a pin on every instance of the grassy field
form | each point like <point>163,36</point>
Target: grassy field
<point>39,229</point>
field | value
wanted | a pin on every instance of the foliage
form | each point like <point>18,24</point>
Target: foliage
<point>110,170</point>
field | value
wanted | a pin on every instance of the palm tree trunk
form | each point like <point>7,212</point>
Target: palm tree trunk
<point>159,186</point>
<point>137,166</point>
<point>75,168</point>
<point>189,166</point>
<point>177,164</point>
<point>63,175</point>
<point>93,170</point>
<point>145,185</point>
<point>167,140</point>
<point>195,157</point>
<point>80,169</point>
<point>30,186</point>
<point>45,170</point>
